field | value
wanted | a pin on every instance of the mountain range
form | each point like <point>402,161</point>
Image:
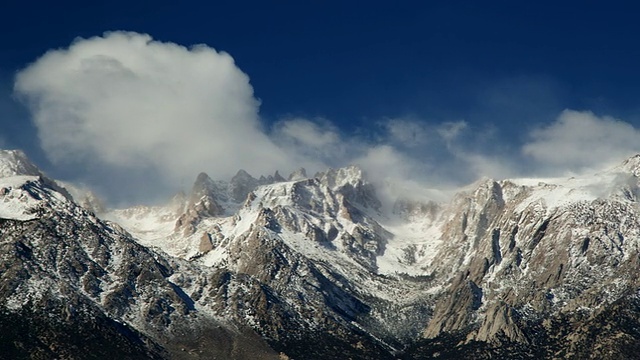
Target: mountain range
<point>319,267</point>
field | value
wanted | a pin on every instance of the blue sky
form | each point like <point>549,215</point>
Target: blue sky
<point>354,70</point>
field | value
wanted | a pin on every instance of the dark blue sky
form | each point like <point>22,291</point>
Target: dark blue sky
<point>501,64</point>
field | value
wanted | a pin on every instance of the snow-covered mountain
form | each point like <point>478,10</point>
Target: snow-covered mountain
<point>315,267</point>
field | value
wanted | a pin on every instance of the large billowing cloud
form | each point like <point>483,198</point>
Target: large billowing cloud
<point>136,116</point>
<point>580,140</point>
<point>125,100</point>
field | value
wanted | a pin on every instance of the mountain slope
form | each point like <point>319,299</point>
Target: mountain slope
<point>319,267</point>
<point>70,277</point>
<point>529,254</point>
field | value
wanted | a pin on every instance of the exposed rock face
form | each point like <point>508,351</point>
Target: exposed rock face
<point>456,312</point>
<point>501,321</point>
<point>202,203</point>
<point>535,253</point>
<point>206,244</point>
<point>203,197</point>
<point>241,185</point>
<point>350,183</point>
<point>278,178</point>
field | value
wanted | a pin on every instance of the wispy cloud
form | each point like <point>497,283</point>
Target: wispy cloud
<point>581,140</point>
<point>313,143</point>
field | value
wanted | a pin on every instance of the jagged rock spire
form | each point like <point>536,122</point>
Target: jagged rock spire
<point>241,185</point>
<point>202,203</point>
<point>278,178</point>
<point>299,174</point>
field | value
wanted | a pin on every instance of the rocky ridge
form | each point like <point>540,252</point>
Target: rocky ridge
<point>313,267</point>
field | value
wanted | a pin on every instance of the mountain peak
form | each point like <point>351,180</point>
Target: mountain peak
<point>335,178</point>
<point>241,185</point>
<point>631,165</point>
<point>351,182</point>
<point>202,203</point>
<point>278,178</point>
<point>201,186</point>
<point>202,178</point>
<point>299,174</point>
<point>241,174</point>
<point>16,162</point>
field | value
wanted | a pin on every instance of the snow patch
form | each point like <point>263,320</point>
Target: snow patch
<point>16,202</point>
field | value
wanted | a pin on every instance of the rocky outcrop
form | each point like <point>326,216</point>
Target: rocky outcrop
<point>351,183</point>
<point>210,198</point>
<point>203,202</point>
<point>241,185</point>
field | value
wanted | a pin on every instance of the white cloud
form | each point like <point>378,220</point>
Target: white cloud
<point>449,131</point>
<point>443,154</point>
<point>414,133</point>
<point>410,133</point>
<point>384,162</point>
<point>315,135</point>
<point>407,151</point>
<point>484,165</point>
<point>580,140</point>
<point>147,116</point>
<point>123,99</point>
<point>313,144</point>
